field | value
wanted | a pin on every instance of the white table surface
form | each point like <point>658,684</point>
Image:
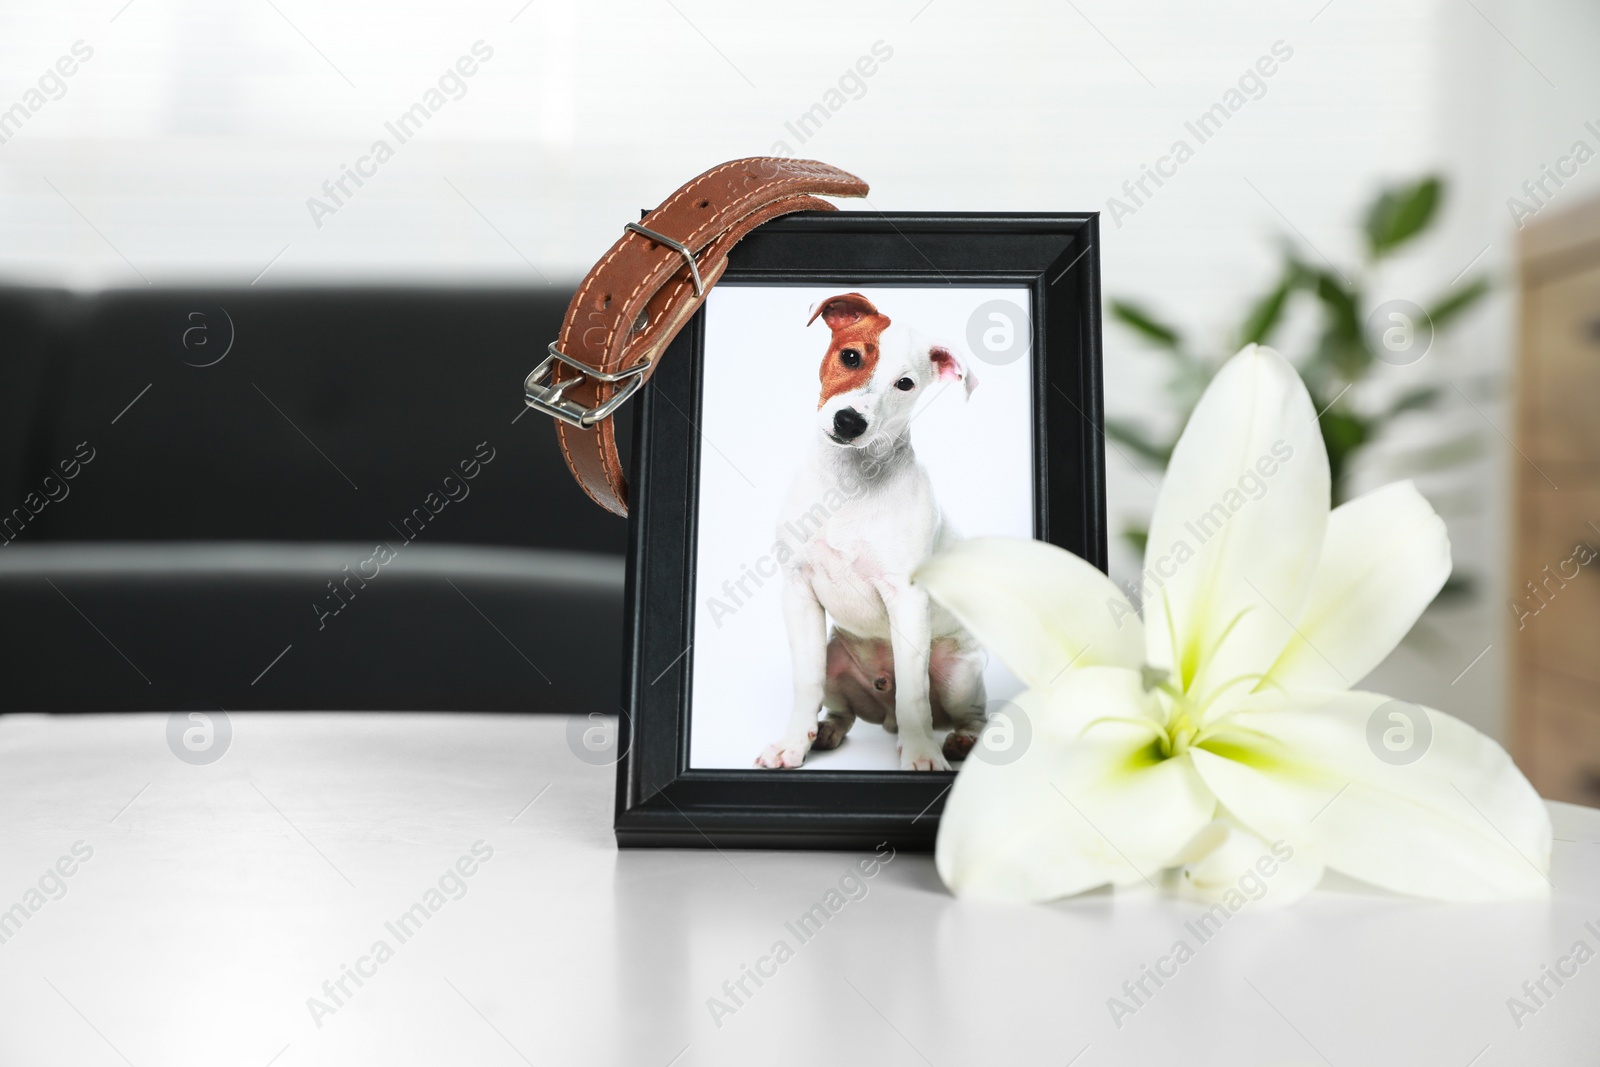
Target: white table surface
<point>219,898</point>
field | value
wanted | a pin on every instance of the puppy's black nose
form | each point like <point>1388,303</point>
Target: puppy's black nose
<point>848,424</point>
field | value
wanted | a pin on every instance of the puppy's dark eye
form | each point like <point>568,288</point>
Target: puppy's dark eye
<point>905,385</point>
<point>850,357</point>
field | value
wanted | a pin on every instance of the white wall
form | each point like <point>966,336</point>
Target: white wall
<point>195,135</point>
<point>187,147</point>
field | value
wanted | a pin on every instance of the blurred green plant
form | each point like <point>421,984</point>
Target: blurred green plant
<point>1339,357</point>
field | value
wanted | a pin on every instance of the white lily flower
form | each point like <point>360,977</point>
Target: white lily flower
<point>1225,721</point>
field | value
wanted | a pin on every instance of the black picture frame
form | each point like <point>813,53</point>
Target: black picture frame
<point>660,800</point>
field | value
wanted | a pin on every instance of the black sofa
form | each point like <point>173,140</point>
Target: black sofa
<point>294,499</point>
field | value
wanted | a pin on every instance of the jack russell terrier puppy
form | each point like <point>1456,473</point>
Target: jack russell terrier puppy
<point>860,518</point>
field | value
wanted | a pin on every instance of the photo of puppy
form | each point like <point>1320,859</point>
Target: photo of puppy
<point>844,439</point>
<point>890,657</point>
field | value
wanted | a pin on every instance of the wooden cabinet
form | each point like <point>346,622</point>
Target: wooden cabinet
<point>1553,613</point>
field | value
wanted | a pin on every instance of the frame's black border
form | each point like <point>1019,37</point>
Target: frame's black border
<point>660,802</point>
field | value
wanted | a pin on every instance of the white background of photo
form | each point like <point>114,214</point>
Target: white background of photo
<point>758,425</point>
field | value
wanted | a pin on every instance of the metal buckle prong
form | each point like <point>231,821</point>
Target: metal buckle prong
<point>548,400</point>
<point>682,250</point>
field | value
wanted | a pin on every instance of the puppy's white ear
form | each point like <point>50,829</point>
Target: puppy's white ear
<point>952,367</point>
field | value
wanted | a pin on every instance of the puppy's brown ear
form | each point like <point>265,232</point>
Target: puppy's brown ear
<point>843,310</point>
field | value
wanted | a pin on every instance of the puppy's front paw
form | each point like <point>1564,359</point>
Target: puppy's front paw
<point>922,756</point>
<point>790,752</point>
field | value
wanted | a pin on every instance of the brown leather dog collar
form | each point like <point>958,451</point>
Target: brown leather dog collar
<point>642,292</point>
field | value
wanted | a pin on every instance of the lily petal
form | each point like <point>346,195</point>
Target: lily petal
<point>1458,823</point>
<point>1082,807</point>
<point>1038,607</point>
<point>1234,865</point>
<point>1226,569</point>
<point>1385,557</point>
